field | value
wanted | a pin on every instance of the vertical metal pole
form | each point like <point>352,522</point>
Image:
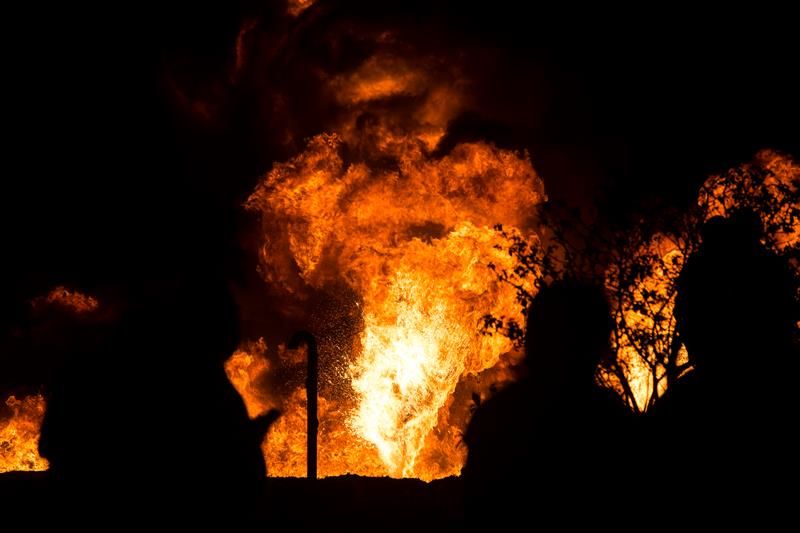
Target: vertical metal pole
<point>312,427</point>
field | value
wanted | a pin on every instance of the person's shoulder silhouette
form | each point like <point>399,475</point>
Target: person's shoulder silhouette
<point>727,420</point>
<point>735,300</point>
<point>151,418</point>
<point>543,437</point>
<point>735,311</point>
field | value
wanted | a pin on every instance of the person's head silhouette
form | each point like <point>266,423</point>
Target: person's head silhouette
<point>734,298</point>
<point>567,334</point>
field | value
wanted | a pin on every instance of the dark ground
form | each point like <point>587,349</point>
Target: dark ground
<point>344,503</point>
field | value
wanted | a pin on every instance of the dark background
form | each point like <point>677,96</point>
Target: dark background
<point>109,179</point>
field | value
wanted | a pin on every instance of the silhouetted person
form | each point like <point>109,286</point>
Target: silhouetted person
<point>149,426</point>
<point>551,441</point>
<point>728,426</point>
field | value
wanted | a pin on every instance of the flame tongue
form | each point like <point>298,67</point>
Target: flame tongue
<point>411,234</point>
<point>19,435</point>
<point>420,337</point>
<point>414,244</point>
<point>407,371</point>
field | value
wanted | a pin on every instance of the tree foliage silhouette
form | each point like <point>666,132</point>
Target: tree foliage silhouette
<point>639,266</point>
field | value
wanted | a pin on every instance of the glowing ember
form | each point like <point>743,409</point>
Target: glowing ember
<point>19,434</point>
<point>295,7</point>
<point>72,300</point>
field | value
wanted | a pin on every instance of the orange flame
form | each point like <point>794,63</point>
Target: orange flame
<point>725,193</point>
<point>19,435</point>
<point>657,324</point>
<point>420,337</point>
<point>295,7</point>
<point>413,240</point>
<point>245,368</point>
<point>21,420</point>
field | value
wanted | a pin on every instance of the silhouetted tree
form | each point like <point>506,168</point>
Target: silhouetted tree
<point>640,264</point>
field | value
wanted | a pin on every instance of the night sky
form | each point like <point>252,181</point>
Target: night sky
<point>130,146</point>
